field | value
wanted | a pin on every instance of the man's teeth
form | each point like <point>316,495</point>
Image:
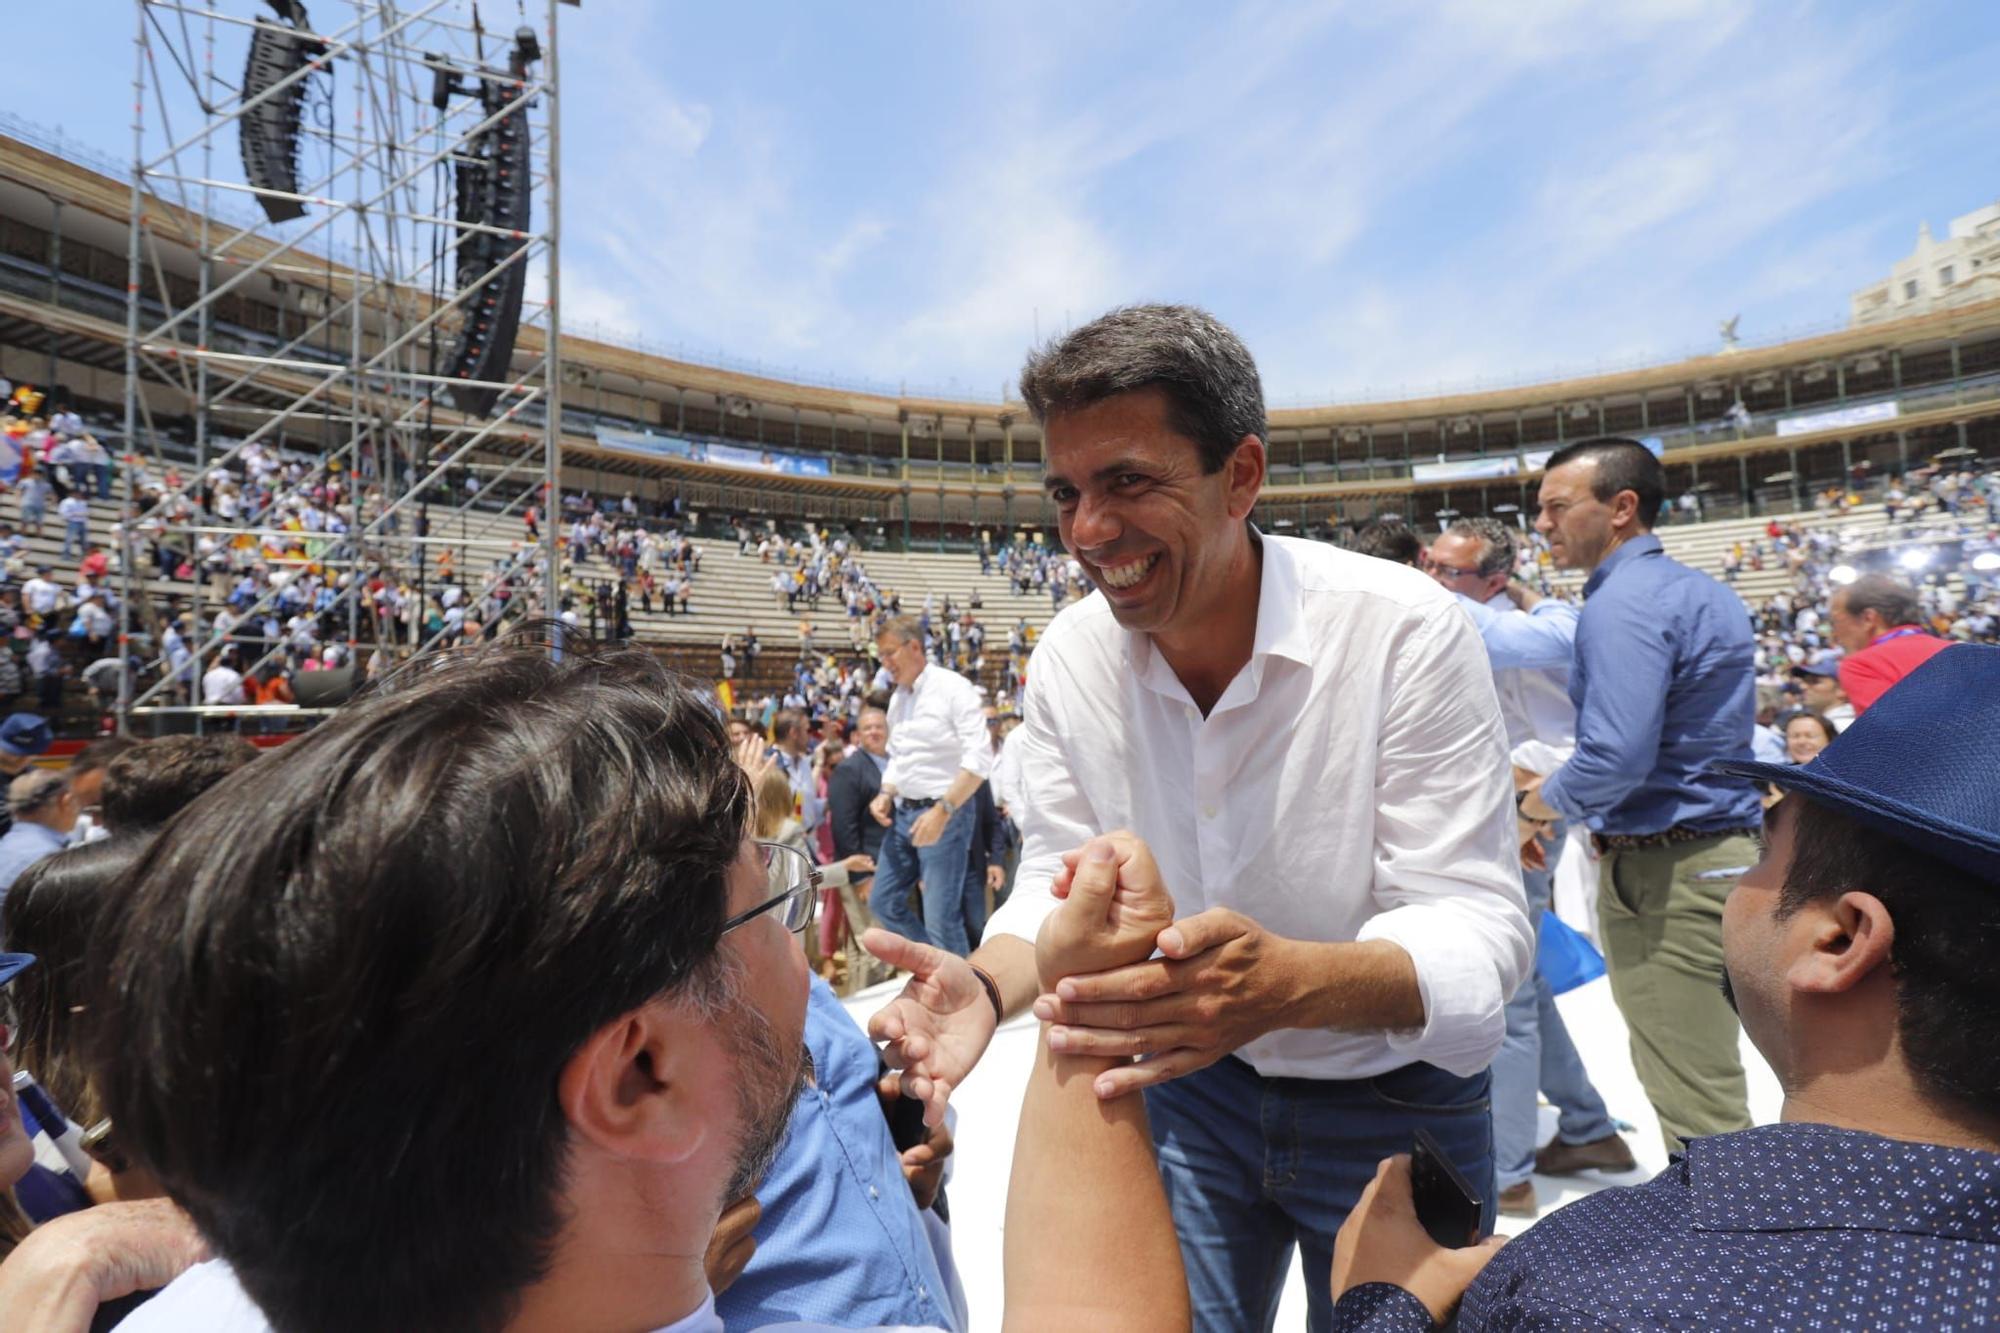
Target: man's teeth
<point>1124,576</point>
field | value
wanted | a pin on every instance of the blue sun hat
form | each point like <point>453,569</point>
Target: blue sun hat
<point>1919,765</point>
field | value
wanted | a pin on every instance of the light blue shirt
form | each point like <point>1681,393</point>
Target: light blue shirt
<point>1530,652</point>
<point>841,1240</point>
<point>1665,683</point>
<point>22,846</point>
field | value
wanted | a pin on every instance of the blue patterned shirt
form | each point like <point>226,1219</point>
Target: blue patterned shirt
<point>1794,1226</point>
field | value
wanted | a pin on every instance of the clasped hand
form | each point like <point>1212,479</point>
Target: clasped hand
<point>1222,981</point>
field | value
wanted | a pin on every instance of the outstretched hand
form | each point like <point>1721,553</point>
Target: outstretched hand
<point>938,1027</point>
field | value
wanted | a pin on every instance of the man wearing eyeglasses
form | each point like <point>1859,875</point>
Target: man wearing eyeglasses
<point>597,1018</point>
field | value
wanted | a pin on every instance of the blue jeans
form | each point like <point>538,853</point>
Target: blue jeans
<point>1253,1165</point>
<point>103,480</point>
<point>941,867</point>
<point>1538,1056</point>
<point>77,534</point>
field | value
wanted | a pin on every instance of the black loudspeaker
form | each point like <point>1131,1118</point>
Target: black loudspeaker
<point>323,689</point>
<point>270,130</point>
<point>491,190</point>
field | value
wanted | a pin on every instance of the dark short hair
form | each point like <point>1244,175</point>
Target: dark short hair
<point>1897,603</point>
<point>1501,543</point>
<point>1622,465</point>
<point>1214,396</point>
<point>150,783</point>
<point>1946,970</point>
<point>52,912</point>
<point>333,1016</point>
<point>784,722</point>
<point>1826,725</point>
<point>99,754</point>
<point>1388,539</point>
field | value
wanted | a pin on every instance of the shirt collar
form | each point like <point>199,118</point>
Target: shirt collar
<point>1281,628</point>
<point>1644,544</point>
<point>1806,1177</point>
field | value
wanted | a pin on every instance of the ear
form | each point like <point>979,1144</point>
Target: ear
<point>1848,940</point>
<point>630,1089</point>
<point>1245,471</point>
<point>1625,509</point>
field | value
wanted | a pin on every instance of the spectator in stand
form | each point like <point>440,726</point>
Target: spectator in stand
<point>1530,648</point>
<point>149,783</point>
<point>938,757</point>
<point>850,790</point>
<point>22,737</point>
<point>44,810</point>
<point>791,747</point>
<point>1879,624</point>
<point>1859,952</point>
<point>1806,734</point>
<point>1664,683</point>
<point>34,491</point>
<point>75,514</point>
<point>222,684</point>
<point>1389,539</point>
<point>1822,692</point>
<point>614,1013</point>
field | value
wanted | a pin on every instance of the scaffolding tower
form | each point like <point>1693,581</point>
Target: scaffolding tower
<point>387,174</point>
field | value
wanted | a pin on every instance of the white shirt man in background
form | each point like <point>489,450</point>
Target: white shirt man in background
<point>938,757</point>
<point>222,683</point>
<point>1309,741</point>
<point>1530,652</point>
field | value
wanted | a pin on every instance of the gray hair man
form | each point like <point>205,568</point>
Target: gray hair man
<point>1879,624</point>
<point>1530,640</point>
<point>938,759</point>
<point>1309,741</point>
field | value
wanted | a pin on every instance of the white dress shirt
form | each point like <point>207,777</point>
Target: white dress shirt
<point>1531,653</point>
<point>936,727</point>
<point>1350,784</point>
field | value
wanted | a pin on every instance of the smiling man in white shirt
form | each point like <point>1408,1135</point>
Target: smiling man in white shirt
<point>1310,741</point>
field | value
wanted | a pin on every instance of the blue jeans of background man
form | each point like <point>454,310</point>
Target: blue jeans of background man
<point>1538,1056</point>
<point>75,532</point>
<point>1254,1165</point>
<point>941,867</point>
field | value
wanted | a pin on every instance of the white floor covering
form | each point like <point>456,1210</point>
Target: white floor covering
<point>989,1107</point>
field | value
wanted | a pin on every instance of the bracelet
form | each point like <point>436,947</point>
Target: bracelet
<point>992,989</point>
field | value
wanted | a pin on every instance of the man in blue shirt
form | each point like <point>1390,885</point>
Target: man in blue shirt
<point>1664,682</point>
<point>1859,953</point>
<point>44,810</point>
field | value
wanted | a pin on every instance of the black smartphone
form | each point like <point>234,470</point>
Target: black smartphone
<point>1447,1204</point>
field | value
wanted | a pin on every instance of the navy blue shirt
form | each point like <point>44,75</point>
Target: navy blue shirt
<point>1665,683</point>
<point>1793,1226</point>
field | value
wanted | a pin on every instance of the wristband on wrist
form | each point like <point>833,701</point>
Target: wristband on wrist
<point>992,989</point>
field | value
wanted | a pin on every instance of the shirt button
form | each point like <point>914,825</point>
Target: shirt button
<point>874,1193</point>
<point>1208,812</point>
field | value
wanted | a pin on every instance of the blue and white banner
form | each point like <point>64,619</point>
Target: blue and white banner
<point>1864,415</point>
<point>720,455</point>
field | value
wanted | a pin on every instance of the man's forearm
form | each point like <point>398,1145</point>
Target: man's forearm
<point>1089,1240</point>
<point>1368,986</point>
<point>964,786</point>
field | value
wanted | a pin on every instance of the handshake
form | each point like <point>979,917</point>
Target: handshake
<point>1092,975</point>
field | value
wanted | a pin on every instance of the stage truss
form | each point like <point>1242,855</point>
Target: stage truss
<point>380,276</point>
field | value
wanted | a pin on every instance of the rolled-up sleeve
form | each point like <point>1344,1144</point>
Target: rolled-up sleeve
<point>1447,870</point>
<point>968,723</point>
<point>1542,638</point>
<point>1056,816</point>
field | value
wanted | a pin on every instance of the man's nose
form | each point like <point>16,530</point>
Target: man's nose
<point>1094,524</point>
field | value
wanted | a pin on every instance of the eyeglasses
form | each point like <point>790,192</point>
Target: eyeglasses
<point>796,879</point>
<point>1452,571</point>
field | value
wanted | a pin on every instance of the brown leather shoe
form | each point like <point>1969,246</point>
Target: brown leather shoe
<point>1519,1200</point>
<point>1609,1153</point>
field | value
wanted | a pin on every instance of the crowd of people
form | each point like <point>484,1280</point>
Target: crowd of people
<point>507,998</point>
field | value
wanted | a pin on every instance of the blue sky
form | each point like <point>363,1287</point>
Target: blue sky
<point>1382,198</point>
